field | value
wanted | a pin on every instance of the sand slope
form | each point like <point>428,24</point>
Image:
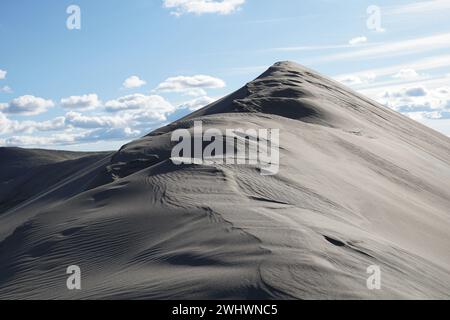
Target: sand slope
<point>359,185</point>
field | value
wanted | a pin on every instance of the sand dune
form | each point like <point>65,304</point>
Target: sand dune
<point>358,185</point>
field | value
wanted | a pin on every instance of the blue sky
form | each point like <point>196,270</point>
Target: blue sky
<point>136,65</point>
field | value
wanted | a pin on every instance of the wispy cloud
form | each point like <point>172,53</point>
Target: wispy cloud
<point>430,63</point>
<point>419,7</point>
<point>375,88</point>
<point>321,47</point>
<point>359,79</point>
<point>416,45</point>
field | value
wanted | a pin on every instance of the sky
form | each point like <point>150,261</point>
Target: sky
<point>94,75</point>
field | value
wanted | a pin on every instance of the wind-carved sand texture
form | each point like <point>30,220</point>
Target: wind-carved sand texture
<point>358,185</point>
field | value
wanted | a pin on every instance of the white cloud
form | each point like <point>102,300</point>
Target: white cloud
<point>443,91</point>
<point>140,107</point>
<point>5,89</point>
<point>423,116</point>
<point>199,7</point>
<point>419,101</point>
<point>357,40</point>
<point>139,102</point>
<point>416,92</point>
<point>193,85</point>
<point>84,102</point>
<point>2,74</point>
<point>4,123</point>
<point>195,92</point>
<point>133,82</point>
<point>28,105</point>
<point>8,126</point>
<point>406,74</point>
<point>197,103</point>
<point>79,120</point>
<point>104,134</point>
<point>430,63</point>
<point>352,80</point>
<point>57,123</point>
<point>407,92</point>
<point>316,48</point>
<point>131,116</point>
<point>26,140</point>
<point>420,7</point>
<point>417,45</point>
<point>67,137</point>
